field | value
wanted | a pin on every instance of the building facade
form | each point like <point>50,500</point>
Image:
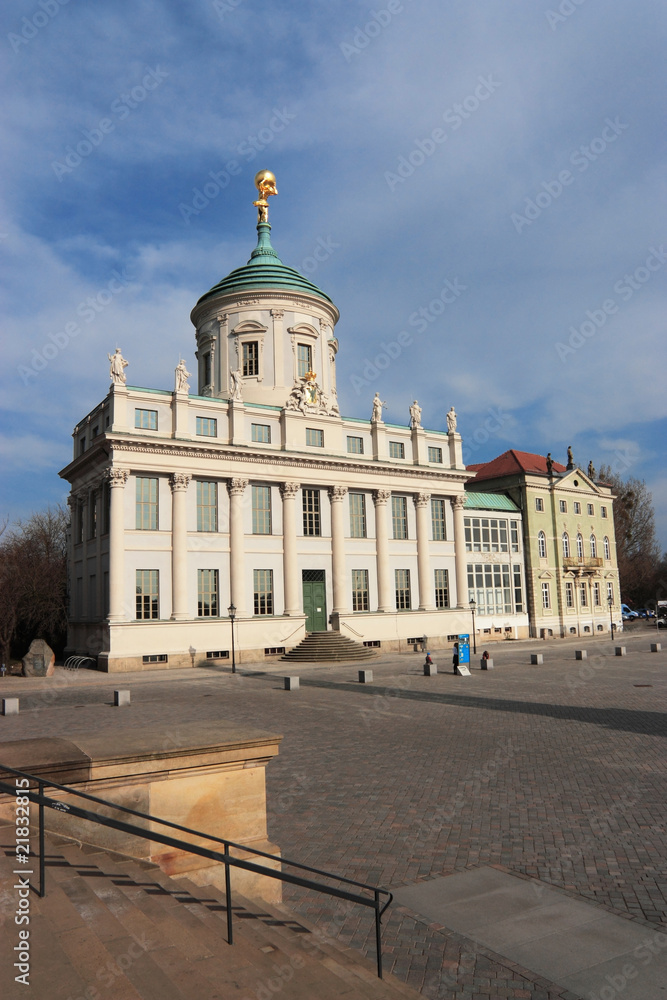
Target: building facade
<point>569,543</point>
<point>255,494</point>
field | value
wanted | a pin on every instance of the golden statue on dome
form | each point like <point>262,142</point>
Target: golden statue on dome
<point>265,182</point>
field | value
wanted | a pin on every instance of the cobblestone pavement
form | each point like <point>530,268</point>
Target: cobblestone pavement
<point>555,773</point>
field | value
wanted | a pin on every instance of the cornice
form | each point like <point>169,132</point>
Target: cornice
<point>284,461</point>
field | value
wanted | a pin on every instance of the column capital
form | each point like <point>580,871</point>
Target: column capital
<point>288,491</point>
<point>381,496</point>
<point>179,481</point>
<point>458,502</point>
<point>116,477</point>
<point>421,499</point>
<point>337,493</point>
<point>277,313</point>
<point>236,487</point>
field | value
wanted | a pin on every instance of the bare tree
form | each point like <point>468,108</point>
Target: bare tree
<point>636,543</point>
<point>33,581</point>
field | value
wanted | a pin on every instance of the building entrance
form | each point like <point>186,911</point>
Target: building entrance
<point>315,600</point>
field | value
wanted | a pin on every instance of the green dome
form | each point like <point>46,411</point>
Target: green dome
<point>264,270</point>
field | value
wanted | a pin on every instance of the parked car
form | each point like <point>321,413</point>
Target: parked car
<point>662,622</point>
<point>645,613</point>
<point>625,610</point>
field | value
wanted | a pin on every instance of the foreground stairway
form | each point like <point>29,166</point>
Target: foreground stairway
<point>326,647</point>
<point>112,927</point>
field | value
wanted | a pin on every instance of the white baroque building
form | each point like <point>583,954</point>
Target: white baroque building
<point>257,493</point>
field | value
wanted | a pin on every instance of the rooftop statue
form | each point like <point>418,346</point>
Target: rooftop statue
<point>378,405</point>
<point>118,366</point>
<point>182,376</point>
<point>451,420</point>
<point>415,415</point>
<point>265,182</point>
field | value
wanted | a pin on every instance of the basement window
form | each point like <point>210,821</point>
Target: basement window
<point>155,658</point>
<point>274,651</point>
<point>373,642</point>
<point>217,654</point>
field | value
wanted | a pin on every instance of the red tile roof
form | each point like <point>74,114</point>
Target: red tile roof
<point>512,462</point>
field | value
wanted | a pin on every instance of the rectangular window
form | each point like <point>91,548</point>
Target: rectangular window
<point>155,658</point>
<point>304,359</point>
<point>435,455</point>
<point>314,437</point>
<point>260,433</point>
<point>262,583</point>
<point>583,595</point>
<point>357,515</point>
<point>207,426</point>
<point>403,600</point>
<point>82,445</point>
<point>355,446</point>
<point>596,595</point>
<point>206,362</point>
<point>399,517</point>
<point>485,534</point>
<point>539,503</point>
<point>146,419</point>
<point>489,585</point>
<point>569,595</point>
<point>360,590</point>
<point>207,506</point>
<point>577,508</point>
<point>92,596</point>
<point>92,515</point>
<point>207,593</point>
<point>438,520</point>
<point>146,512</point>
<point>562,506</point>
<point>106,508</point>
<point>514,535</point>
<point>603,511</point>
<point>217,654</point>
<point>148,596</point>
<point>610,592</point>
<point>312,524</point>
<point>441,588</point>
<point>590,509</point>
<point>546,596</point>
<point>396,449</point>
<point>250,358</point>
<point>518,594</point>
<point>261,510</point>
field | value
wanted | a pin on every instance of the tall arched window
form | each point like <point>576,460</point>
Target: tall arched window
<point>594,547</point>
<point>566,545</point>
<point>607,550</point>
<point>542,545</point>
<point>580,547</point>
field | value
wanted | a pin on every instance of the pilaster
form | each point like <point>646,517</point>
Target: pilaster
<point>117,479</point>
<point>381,499</point>
<point>179,483</point>
<point>337,495</point>
<point>422,503</point>
<point>289,493</point>
<point>460,558</point>
<point>236,489</point>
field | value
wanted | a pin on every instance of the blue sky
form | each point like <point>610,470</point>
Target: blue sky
<point>512,150</point>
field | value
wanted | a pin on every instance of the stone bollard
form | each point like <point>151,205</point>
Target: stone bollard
<point>537,658</point>
<point>430,669</point>
<point>486,664</point>
<point>291,683</point>
<point>580,654</point>
<point>121,698</point>
<point>655,647</point>
<point>10,706</point>
<point>621,651</point>
<point>365,676</point>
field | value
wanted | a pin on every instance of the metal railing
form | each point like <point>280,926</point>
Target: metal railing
<point>224,857</point>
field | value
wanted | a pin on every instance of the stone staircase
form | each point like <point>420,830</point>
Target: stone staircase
<point>327,647</point>
<point>114,927</point>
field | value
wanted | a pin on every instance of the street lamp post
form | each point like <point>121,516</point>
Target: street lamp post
<point>610,602</point>
<point>474,637</point>
<point>231,611</point>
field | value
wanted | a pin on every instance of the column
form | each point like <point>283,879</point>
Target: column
<point>117,480</point>
<point>337,495</point>
<point>426,585</point>
<point>460,557</point>
<point>179,483</point>
<point>385,595</point>
<point>289,493</point>
<point>236,489</point>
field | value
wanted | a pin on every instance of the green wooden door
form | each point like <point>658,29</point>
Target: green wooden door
<point>315,600</point>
